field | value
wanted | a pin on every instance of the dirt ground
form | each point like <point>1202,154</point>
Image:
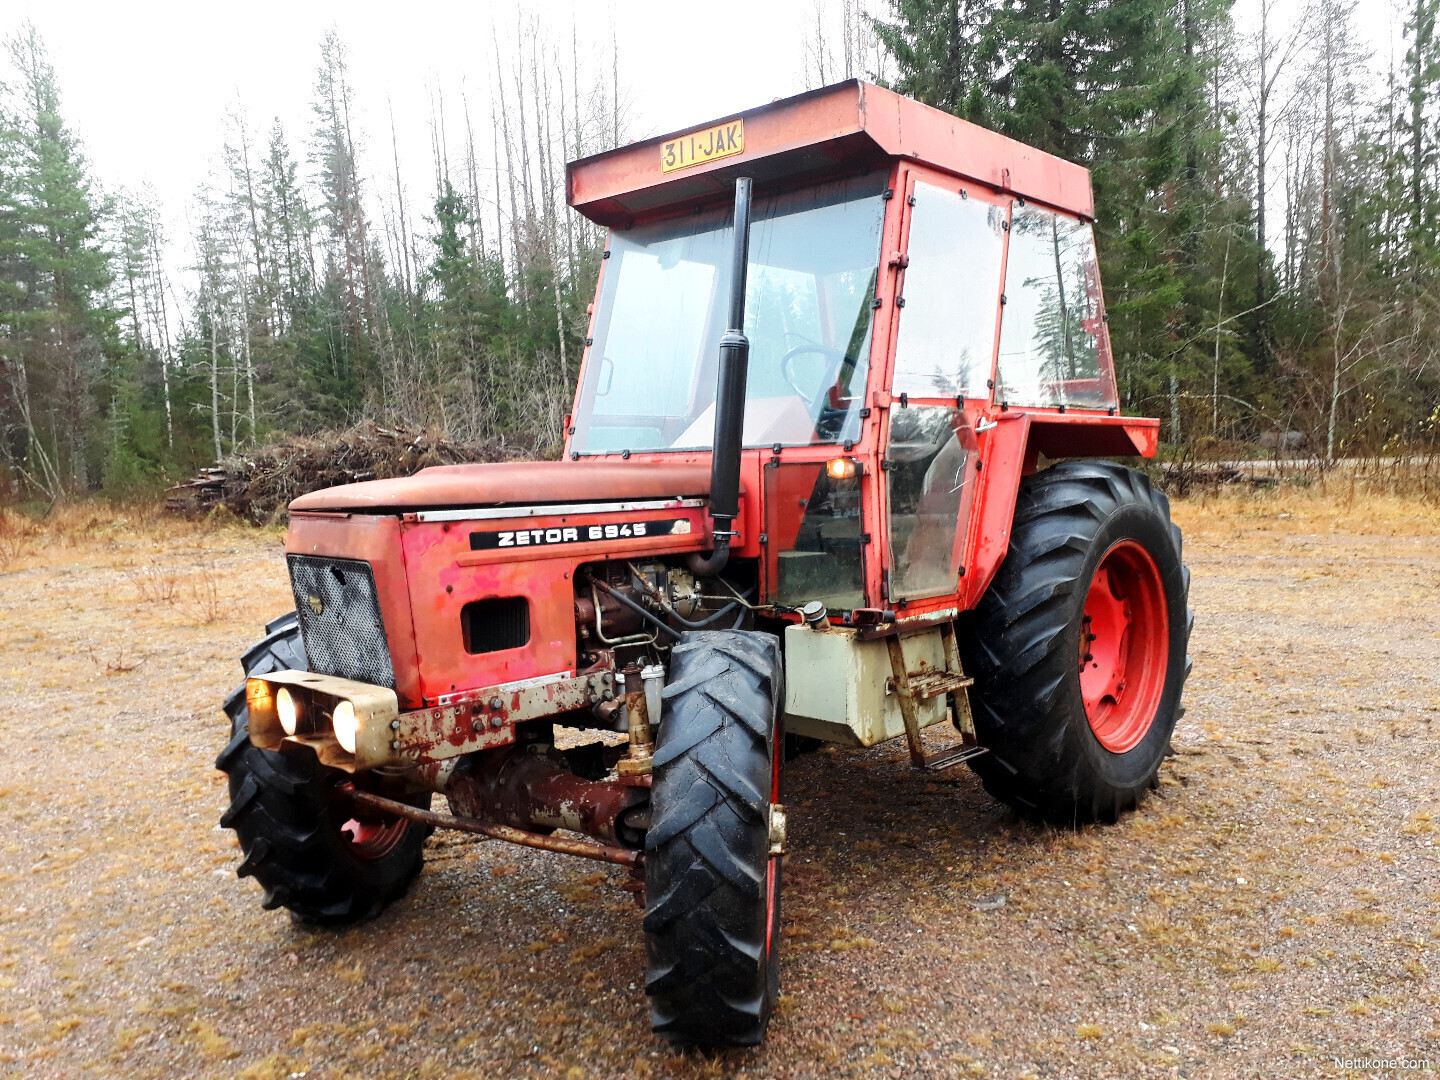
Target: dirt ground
<point>1274,907</point>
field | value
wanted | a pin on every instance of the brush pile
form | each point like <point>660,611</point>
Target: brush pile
<point>257,485</point>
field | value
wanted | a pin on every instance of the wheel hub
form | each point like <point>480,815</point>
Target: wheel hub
<point>1124,647</point>
<point>373,839</point>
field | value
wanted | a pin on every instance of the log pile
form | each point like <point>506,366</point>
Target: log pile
<point>256,486</point>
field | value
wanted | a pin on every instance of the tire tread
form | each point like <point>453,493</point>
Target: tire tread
<point>706,850</point>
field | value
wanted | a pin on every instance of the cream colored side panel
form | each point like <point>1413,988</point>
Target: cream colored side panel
<point>835,685</point>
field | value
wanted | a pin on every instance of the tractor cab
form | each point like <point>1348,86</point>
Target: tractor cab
<point>914,283</point>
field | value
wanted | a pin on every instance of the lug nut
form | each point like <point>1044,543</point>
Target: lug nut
<point>394,725</point>
<point>496,721</point>
<point>496,703</point>
<point>477,725</point>
<point>394,744</point>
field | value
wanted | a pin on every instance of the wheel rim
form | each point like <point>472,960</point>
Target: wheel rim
<point>772,896</point>
<point>772,864</point>
<point>1124,647</point>
<point>373,839</point>
<point>369,837</point>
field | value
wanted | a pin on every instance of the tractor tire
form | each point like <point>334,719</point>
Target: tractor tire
<point>299,841</point>
<point>712,888</point>
<point>1078,647</point>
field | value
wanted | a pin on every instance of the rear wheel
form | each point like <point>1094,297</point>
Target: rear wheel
<point>302,840</point>
<point>1078,648</point>
<point>712,888</point>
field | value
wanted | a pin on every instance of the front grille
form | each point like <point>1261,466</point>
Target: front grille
<point>340,619</point>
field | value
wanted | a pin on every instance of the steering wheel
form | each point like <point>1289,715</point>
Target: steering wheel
<point>831,374</point>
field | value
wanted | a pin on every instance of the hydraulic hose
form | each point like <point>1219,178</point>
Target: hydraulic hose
<point>648,616</point>
<point>700,624</point>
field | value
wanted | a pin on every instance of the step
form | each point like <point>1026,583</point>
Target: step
<point>931,684</point>
<point>946,758</point>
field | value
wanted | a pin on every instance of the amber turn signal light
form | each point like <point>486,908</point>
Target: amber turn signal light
<point>842,468</point>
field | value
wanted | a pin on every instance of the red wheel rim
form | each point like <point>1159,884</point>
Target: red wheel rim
<point>369,837</point>
<point>373,839</point>
<point>1124,647</point>
<point>772,895</point>
<point>772,864</point>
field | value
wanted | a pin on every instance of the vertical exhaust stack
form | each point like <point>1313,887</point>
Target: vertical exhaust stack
<point>729,400</point>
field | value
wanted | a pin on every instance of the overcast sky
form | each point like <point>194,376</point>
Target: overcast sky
<point>145,84</point>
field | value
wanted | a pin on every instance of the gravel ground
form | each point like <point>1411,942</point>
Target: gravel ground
<point>1274,907</point>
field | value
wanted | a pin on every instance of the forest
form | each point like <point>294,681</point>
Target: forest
<point>1267,198</point>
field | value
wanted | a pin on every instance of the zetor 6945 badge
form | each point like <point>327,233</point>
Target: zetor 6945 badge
<point>801,498</point>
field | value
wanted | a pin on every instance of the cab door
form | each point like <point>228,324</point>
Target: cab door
<point>948,304</point>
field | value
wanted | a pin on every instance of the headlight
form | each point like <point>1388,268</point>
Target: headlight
<point>346,726</point>
<point>288,711</point>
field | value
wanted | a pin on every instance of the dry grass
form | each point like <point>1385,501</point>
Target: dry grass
<point>1288,509</point>
<point>18,534</point>
<point>1275,904</point>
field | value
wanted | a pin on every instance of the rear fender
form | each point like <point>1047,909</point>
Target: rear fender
<point>1010,450</point>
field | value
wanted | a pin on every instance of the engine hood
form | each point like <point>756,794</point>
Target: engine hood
<point>515,483</point>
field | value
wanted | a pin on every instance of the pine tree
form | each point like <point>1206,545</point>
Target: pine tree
<point>347,362</point>
<point>57,323</point>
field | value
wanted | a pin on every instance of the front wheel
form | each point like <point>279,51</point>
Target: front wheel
<point>1078,648</point>
<point>712,885</point>
<point>302,841</point>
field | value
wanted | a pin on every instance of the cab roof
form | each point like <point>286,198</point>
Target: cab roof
<point>849,125</point>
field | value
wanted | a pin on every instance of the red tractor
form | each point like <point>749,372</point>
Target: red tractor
<point>806,494</point>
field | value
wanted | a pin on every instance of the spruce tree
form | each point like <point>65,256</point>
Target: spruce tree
<point>59,327</point>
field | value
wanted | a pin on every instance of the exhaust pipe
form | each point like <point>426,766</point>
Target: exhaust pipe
<point>729,401</point>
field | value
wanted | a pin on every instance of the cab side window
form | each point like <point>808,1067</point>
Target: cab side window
<point>1054,349</point>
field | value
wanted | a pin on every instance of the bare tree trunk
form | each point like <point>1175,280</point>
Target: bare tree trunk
<point>1271,59</point>
<point>249,363</point>
<point>48,480</point>
<point>1174,406</point>
<point>215,381</point>
<point>1262,146</point>
<point>234,394</point>
<point>477,223</point>
<point>1219,320</point>
<point>1334,396</point>
<point>250,205</point>
<point>159,273</point>
<point>1424,23</point>
<point>515,250</point>
<point>400,210</point>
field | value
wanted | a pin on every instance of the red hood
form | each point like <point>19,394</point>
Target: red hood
<point>515,483</point>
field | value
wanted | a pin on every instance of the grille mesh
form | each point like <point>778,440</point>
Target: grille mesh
<point>345,636</point>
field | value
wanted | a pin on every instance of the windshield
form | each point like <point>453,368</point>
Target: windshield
<point>649,380</point>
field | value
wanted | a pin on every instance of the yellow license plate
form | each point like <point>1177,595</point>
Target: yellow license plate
<point>698,147</point>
